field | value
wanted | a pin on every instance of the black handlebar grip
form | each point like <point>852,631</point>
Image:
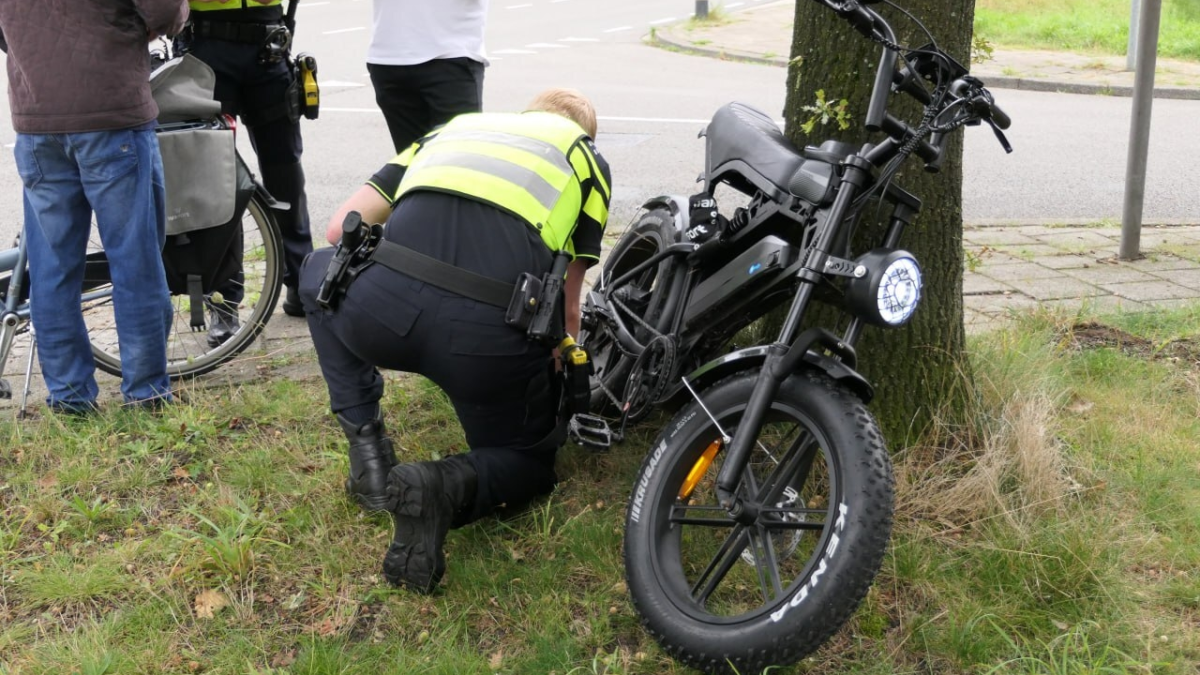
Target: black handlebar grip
<point>1000,117</point>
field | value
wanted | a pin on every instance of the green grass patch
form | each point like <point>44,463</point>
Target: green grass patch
<point>1049,527</point>
<point>1099,26</point>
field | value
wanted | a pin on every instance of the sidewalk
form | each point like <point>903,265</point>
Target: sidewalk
<point>1012,268</point>
<point>764,34</point>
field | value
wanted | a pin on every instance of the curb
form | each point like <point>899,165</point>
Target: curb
<point>664,40</point>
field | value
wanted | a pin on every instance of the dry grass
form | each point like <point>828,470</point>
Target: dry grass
<point>1011,468</point>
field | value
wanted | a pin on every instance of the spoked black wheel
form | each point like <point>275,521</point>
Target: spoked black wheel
<point>190,353</point>
<point>768,589</point>
<point>638,302</point>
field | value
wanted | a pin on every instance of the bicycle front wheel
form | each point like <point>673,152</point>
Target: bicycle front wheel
<point>768,588</point>
<point>190,353</point>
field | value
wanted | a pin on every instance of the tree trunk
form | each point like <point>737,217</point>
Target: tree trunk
<point>915,368</point>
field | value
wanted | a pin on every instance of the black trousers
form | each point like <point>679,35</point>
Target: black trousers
<point>415,99</point>
<point>498,381</point>
<point>254,92</point>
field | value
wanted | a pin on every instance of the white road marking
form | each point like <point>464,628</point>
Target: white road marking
<point>734,4</point>
<point>513,51</point>
<point>669,19</point>
<point>528,4</point>
<point>315,4</point>
<point>545,45</point>
<point>660,120</point>
<point>651,120</point>
<point>344,30</point>
<point>618,29</point>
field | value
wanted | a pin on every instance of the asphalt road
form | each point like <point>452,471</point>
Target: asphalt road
<point>1069,164</point>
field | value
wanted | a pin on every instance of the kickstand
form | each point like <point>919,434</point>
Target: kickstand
<point>25,390</point>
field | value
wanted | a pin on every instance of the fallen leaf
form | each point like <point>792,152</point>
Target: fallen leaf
<point>283,659</point>
<point>209,602</point>
<point>181,473</point>
<point>1079,406</point>
<point>496,660</point>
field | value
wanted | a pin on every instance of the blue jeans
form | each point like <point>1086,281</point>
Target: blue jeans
<point>117,175</point>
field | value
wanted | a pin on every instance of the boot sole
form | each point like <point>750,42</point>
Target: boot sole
<point>415,558</point>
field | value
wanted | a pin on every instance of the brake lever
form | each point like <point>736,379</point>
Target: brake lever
<point>999,135</point>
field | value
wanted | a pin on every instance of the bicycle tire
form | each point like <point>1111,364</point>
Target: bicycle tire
<point>694,573</point>
<point>188,352</point>
<point>653,232</point>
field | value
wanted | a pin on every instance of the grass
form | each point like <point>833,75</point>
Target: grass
<point>1095,26</point>
<point>1049,528</point>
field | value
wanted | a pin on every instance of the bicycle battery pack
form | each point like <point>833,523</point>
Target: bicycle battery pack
<point>741,276</point>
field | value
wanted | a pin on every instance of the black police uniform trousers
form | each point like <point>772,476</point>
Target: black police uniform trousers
<point>498,381</point>
<point>255,92</point>
<point>415,99</point>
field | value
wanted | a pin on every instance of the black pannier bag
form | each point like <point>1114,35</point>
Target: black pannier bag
<point>207,185</point>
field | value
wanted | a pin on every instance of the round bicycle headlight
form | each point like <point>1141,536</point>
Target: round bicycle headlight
<point>888,292</point>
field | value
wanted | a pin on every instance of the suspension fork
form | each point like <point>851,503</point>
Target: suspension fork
<point>782,359</point>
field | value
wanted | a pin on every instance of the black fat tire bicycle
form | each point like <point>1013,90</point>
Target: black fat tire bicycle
<point>762,511</point>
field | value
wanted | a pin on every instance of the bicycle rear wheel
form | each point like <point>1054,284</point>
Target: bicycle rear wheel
<point>639,302</point>
<point>189,353</point>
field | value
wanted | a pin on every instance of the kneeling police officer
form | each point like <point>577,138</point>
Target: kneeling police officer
<point>479,214</point>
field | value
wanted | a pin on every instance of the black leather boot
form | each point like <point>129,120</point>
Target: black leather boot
<point>372,456</point>
<point>426,499</point>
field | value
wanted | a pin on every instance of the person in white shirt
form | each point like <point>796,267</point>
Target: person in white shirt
<point>426,62</point>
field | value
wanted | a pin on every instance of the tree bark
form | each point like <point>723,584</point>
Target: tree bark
<point>914,369</point>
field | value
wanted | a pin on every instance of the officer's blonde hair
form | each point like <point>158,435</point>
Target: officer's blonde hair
<point>569,103</point>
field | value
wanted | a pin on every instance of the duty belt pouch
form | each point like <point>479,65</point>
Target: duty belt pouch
<point>523,305</point>
<point>293,98</point>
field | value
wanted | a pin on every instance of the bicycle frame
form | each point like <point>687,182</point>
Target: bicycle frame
<point>16,316</point>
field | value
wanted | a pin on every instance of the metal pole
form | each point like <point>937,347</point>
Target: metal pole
<point>702,9</point>
<point>1139,131</point>
<point>1135,8</point>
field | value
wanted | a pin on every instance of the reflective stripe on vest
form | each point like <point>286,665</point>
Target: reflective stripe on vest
<point>516,162</point>
<point>229,4</point>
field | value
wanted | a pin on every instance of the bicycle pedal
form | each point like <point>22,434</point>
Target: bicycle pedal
<point>591,431</point>
<point>5,390</point>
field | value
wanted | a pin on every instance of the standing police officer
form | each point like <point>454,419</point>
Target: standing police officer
<point>474,204</point>
<point>246,44</point>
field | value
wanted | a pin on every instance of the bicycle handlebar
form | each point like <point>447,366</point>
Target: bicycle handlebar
<point>979,100</point>
<point>976,98</point>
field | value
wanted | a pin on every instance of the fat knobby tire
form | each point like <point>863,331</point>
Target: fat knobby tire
<point>835,577</point>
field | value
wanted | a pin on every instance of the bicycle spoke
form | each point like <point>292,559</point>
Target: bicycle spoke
<point>728,555</point>
<point>793,470</point>
<point>767,563</point>
<point>722,521</point>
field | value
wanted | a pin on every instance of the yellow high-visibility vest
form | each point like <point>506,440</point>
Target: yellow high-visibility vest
<point>530,164</point>
<point>229,4</point>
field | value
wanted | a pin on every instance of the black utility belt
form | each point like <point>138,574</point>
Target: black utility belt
<point>234,31</point>
<point>531,304</point>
